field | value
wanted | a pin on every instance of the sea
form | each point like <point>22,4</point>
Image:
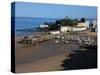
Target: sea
<point>27,25</point>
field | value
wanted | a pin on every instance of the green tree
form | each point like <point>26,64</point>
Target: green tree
<point>83,19</point>
<point>63,22</point>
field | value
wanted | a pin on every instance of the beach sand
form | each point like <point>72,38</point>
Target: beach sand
<point>43,57</point>
<point>52,63</point>
<point>46,56</point>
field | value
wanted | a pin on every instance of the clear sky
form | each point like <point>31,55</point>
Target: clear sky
<point>40,10</point>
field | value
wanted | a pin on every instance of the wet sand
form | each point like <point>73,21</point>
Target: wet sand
<point>47,53</point>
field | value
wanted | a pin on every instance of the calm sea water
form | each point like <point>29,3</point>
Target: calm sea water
<point>24,25</point>
<point>27,25</point>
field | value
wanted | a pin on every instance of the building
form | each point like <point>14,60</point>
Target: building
<point>79,29</point>
<point>87,24</point>
<point>65,28</point>
<point>94,23</point>
<point>95,26</point>
<point>44,26</point>
<point>81,26</point>
<point>54,32</point>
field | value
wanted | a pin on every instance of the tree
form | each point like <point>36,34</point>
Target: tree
<point>75,22</point>
<point>63,22</point>
<point>83,19</point>
<point>66,17</point>
<point>53,26</point>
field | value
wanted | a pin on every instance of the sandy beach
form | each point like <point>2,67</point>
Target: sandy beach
<point>52,63</point>
<point>46,56</point>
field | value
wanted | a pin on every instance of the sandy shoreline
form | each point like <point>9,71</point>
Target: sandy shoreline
<point>52,63</point>
<point>43,57</point>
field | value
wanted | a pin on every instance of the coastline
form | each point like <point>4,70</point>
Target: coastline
<point>46,51</point>
<point>41,55</point>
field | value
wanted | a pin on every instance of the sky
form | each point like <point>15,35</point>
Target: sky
<point>41,10</point>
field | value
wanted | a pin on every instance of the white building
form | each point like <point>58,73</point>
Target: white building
<point>44,26</point>
<point>94,23</point>
<point>65,28</point>
<point>54,32</point>
<point>87,24</point>
<point>80,27</point>
<point>81,24</point>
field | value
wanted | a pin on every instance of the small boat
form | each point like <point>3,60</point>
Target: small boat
<point>56,41</point>
<point>66,42</point>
